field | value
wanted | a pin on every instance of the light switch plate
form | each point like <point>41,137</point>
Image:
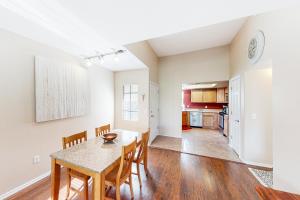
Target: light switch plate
<point>36,159</point>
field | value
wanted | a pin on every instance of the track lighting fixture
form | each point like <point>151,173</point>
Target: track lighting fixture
<point>100,57</point>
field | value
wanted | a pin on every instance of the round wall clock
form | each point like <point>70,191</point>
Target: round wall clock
<point>256,47</point>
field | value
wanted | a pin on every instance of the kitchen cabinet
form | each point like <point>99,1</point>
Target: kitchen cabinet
<point>222,95</point>
<point>204,96</point>
<point>226,95</point>
<point>219,95</point>
<point>186,119</point>
<point>210,120</point>
<point>196,96</point>
<point>209,95</point>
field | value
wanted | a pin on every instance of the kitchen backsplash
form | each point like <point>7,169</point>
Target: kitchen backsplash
<point>188,104</point>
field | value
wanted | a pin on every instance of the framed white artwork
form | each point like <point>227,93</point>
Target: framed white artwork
<point>61,90</point>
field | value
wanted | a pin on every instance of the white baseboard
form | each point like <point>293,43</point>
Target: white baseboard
<point>23,186</point>
<point>257,163</point>
<point>169,135</point>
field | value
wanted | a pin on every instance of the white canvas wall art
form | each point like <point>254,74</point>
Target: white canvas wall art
<point>61,90</point>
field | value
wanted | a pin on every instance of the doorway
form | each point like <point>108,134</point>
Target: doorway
<point>205,122</point>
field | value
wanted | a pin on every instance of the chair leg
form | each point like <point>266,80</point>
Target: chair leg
<point>118,194</point>
<point>138,173</point>
<point>131,188</point>
<point>86,188</point>
<point>69,180</point>
<point>146,166</point>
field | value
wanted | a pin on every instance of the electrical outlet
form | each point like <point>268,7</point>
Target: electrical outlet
<point>36,159</point>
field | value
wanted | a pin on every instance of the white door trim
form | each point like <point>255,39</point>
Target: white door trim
<point>239,150</point>
<point>153,133</point>
<point>155,84</point>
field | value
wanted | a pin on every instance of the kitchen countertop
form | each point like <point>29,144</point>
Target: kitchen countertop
<point>202,110</point>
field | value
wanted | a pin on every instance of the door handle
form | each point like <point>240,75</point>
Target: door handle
<point>152,116</point>
<point>238,121</point>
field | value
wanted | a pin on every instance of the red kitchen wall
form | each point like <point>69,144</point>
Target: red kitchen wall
<point>188,104</point>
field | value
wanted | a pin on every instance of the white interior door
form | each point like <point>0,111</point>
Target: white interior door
<point>235,114</point>
<point>154,110</point>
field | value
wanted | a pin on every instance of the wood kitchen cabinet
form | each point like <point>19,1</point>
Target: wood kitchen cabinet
<point>210,120</point>
<point>222,95</point>
<point>219,95</point>
<point>204,96</point>
<point>209,95</point>
<point>196,96</point>
<point>226,95</point>
<point>186,119</point>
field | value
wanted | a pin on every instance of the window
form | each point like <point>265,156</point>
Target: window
<point>130,102</point>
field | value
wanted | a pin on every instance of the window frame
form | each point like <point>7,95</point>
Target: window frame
<point>130,111</point>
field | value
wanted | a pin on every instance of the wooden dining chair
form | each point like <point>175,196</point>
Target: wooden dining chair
<point>141,156</point>
<point>102,130</point>
<point>121,173</point>
<point>69,142</point>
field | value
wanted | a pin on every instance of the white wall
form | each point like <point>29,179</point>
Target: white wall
<point>140,77</point>
<point>257,134</point>
<point>259,152</point>
<point>282,30</point>
<point>200,66</point>
<point>143,51</point>
<point>21,137</point>
<point>286,99</point>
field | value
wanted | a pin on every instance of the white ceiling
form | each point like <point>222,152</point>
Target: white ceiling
<point>50,23</point>
<point>197,39</point>
<point>82,27</point>
<point>126,22</point>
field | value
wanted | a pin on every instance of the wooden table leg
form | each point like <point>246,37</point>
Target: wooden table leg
<point>96,187</point>
<point>55,179</point>
<point>102,185</point>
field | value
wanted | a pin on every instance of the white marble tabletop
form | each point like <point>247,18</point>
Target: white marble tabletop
<point>93,154</point>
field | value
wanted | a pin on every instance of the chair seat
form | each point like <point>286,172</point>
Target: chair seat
<point>78,175</point>
<point>110,178</point>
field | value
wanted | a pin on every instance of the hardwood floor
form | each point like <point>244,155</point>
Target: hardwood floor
<point>174,175</point>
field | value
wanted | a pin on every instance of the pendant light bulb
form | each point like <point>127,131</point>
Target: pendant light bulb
<point>116,58</point>
<point>101,60</point>
<point>88,62</point>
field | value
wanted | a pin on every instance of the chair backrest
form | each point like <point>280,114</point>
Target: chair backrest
<point>102,129</point>
<point>127,157</point>
<point>74,139</point>
<point>143,145</point>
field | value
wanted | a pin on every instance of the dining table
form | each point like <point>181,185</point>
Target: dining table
<point>94,158</point>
